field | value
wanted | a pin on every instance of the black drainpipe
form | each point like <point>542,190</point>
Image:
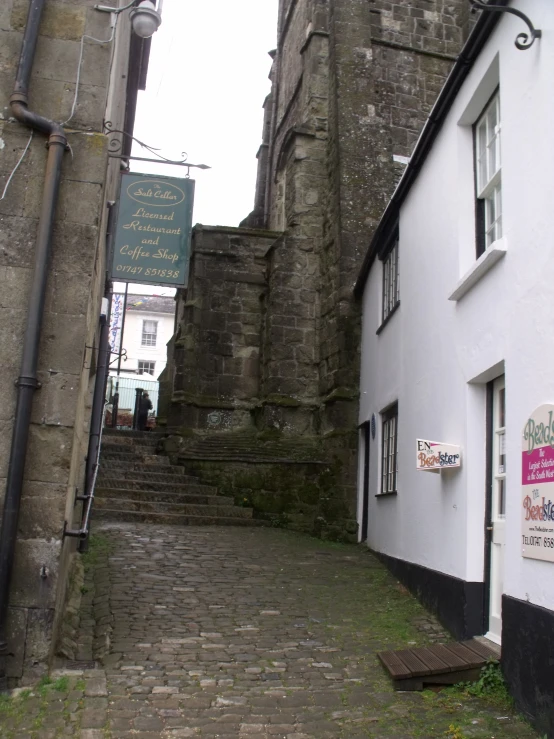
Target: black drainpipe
<point>27,382</point>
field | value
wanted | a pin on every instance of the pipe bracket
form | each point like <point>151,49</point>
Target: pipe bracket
<point>24,381</point>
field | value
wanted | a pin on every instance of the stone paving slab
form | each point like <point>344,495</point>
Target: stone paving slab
<point>246,633</point>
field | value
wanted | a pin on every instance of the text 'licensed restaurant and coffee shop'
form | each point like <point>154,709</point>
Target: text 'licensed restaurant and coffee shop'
<point>154,222</point>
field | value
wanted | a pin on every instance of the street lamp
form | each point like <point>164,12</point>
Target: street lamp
<point>145,17</point>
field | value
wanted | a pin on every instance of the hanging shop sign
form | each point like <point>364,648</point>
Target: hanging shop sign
<point>434,455</point>
<point>537,489</point>
<point>154,223</point>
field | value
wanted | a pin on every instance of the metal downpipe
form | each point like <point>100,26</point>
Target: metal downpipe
<point>27,382</point>
<point>96,422</point>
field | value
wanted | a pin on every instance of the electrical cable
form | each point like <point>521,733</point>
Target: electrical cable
<point>78,80</point>
<point>14,170</point>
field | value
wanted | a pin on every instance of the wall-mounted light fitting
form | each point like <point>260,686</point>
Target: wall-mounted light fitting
<point>146,15</point>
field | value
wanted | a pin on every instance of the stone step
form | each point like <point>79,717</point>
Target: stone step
<point>109,473</point>
<point>177,509</point>
<point>131,440</point>
<point>162,497</point>
<point>122,468</point>
<point>238,456</point>
<point>150,459</point>
<point>130,434</point>
<point>129,448</point>
<point>162,519</point>
<point>158,487</point>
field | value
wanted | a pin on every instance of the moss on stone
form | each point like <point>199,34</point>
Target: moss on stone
<point>341,393</point>
<point>284,401</point>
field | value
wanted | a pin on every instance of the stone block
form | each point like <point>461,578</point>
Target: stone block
<point>74,249</point>
<point>10,48</point>
<point>17,241</point>
<point>66,296</point>
<point>14,200</point>
<point>16,633</point>
<point>80,202</point>
<point>42,510</point>
<point>89,157</point>
<point>39,635</point>
<point>49,453</point>
<point>62,343</point>
<point>88,111</point>
<point>35,574</point>
<point>55,59</point>
<point>5,14</point>
<point>58,21</point>
<point>96,64</point>
<point>55,402</point>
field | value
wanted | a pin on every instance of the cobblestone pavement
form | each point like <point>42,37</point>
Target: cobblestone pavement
<point>247,633</point>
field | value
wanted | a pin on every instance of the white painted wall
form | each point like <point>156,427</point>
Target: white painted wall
<point>435,355</point>
<point>132,337</point>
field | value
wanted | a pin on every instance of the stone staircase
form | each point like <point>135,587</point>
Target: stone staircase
<point>248,447</point>
<point>135,484</point>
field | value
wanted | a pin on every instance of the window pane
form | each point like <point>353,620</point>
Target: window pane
<point>501,496</point>
<point>391,294</point>
<point>492,158</point>
<point>487,165</point>
<point>389,452</point>
<point>481,156</point>
<point>498,209</point>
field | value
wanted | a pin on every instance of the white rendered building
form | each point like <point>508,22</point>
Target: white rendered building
<point>149,325</point>
<point>457,290</point>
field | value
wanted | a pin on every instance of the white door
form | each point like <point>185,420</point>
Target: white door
<point>498,509</point>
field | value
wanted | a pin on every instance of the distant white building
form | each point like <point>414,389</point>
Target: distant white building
<point>149,324</point>
<point>458,346</point>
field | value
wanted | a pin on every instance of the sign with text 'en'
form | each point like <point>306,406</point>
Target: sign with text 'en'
<point>434,455</point>
<point>154,223</point>
<point>537,485</point>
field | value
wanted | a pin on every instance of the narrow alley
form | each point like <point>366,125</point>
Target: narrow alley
<point>242,632</point>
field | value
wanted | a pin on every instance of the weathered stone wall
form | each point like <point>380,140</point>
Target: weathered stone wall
<point>217,345</point>
<point>61,410</point>
<point>352,84</point>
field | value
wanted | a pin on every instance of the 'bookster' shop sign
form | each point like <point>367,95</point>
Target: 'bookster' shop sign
<point>154,222</point>
<point>434,455</point>
<point>537,468</point>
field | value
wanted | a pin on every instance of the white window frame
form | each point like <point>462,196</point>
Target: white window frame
<point>149,338</point>
<point>488,175</point>
<point>389,450</point>
<point>142,370</point>
<point>391,282</point>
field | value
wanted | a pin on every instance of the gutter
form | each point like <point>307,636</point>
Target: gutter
<point>28,382</point>
<point>462,67</point>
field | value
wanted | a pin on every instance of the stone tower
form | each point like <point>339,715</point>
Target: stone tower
<point>268,327</point>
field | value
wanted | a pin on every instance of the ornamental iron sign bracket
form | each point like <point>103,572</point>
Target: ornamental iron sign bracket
<point>115,147</point>
<point>523,40</point>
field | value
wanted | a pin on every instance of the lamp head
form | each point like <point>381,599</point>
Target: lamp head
<point>145,19</point>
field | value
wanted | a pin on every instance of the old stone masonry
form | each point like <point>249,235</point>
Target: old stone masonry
<point>242,632</point>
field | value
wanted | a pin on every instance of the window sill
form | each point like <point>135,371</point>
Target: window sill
<point>386,495</point>
<point>487,260</point>
<point>387,319</point>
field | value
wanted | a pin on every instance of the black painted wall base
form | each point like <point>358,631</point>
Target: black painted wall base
<point>459,605</point>
<point>528,660</point>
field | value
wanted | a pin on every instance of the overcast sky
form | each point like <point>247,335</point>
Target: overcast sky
<point>207,80</point>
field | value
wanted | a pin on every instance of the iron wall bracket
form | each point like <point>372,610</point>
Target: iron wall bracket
<point>523,40</point>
